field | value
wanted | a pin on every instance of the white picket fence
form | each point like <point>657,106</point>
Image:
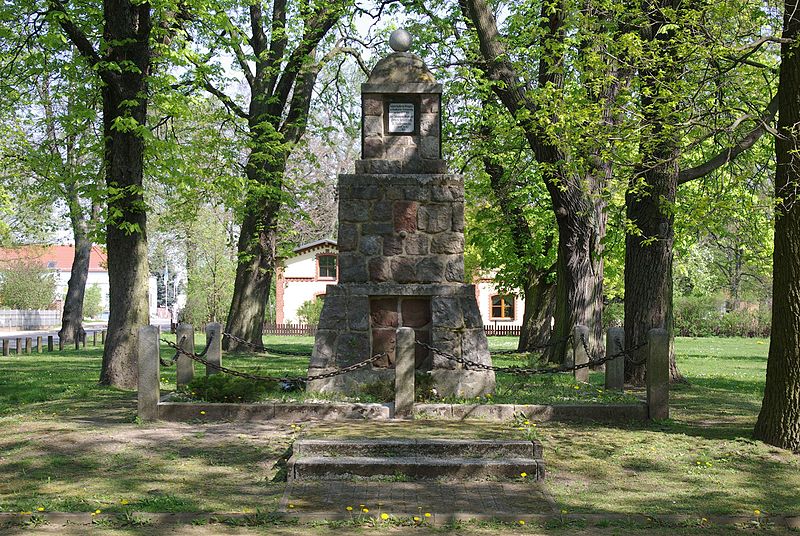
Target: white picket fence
<point>12,319</point>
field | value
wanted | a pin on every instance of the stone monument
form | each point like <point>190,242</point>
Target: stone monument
<point>401,244</point>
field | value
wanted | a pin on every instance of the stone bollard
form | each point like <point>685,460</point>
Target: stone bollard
<point>83,339</point>
<point>149,370</point>
<point>579,355</point>
<point>657,373</point>
<point>39,344</point>
<point>615,369</point>
<point>94,338</point>
<point>19,346</point>
<point>28,345</point>
<point>214,355</point>
<point>60,344</point>
<point>103,337</point>
<point>77,342</point>
<point>404,365</point>
<point>185,366</point>
<point>6,346</point>
<point>49,343</point>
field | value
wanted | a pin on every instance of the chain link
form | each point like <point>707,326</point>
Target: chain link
<point>533,349</point>
<point>282,379</point>
<point>263,349</point>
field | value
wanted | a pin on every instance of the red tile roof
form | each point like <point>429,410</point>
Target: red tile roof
<point>54,257</point>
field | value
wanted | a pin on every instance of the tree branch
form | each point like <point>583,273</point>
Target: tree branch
<point>225,99</point>
<point>729,154</point>
<point>278,42</point>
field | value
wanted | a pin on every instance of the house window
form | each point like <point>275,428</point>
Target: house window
<point>503,307</point>
<point>327,266</point>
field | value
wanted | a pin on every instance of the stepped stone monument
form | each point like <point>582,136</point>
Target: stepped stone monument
<point>401,244</point>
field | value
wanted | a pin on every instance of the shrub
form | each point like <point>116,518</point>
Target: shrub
<point>92,302</point>
<point>26,285</point>
<point>222,388</point>
<point>310,311</point>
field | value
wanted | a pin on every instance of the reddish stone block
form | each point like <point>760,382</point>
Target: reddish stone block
<point>404,270</point>
<point>383,313</point>
<point>392,245</point>
<point>416,313</point>
<point>384,340</point>
<point>404,216</point>
<point>379,269</point>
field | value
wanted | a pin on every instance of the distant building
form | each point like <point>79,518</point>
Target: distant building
<point>59,260</point>
<point>306,275</point>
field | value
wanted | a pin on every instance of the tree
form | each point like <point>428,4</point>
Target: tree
<point>308,313</point>
<point>26,284</point>
<point>93,302</point>
<point>779,419</point>
<point>279,63</point>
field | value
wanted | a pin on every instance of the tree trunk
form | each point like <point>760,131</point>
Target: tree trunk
<point>127,34</point>
<point>72,316</point>
<point>540,303</point>
<point>779,420</point>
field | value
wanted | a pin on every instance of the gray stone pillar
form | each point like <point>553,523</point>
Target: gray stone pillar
<point>5,346</point>
<point>657,373</point>
<point>149,369</point>
<point>94,338</point>
<point>77,342</point>
<point>28,344</point>
<point>19,346</point>
<point>39,344</point>
<point>214,355</point>
<point>405,358</point>
<point>185,366</point>
<point>579,355</point>
<point>49,343</point>
<point>103,337</point>
<point>615,369</point>
<point>60,344</point>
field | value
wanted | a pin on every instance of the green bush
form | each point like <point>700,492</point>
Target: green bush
<point>92,302</point>
<point>222,388</point>
<point>26,285</point>
<point>309,312</point>
<point>705,316</point>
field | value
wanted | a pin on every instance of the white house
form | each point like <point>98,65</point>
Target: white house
<point>313,267</point>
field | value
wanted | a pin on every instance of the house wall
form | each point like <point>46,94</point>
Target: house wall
<point>484,290</point>
<point>300,282</point>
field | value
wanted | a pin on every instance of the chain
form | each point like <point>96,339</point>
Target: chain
<point>533,349</point>
<point>519,370</point>
<point>262,348</point>
<point>288,379</point>
<point>178,351</point>
<point>627,352</point>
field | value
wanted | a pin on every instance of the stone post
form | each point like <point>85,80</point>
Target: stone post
<point>77,342</point>
<point>103,337</point>
<point>28,344</point>
<point>405,360</point>
<point>579,355</point>
<point>615,369</point>
<point>49,343</point>
<point>83,339</point>
<point>19,346</point>
<point>149,370</point>
<point>94,338</point>
<point>39,344</point>
<point>5,347</point>
<point>657,373</point>
<point>185,366</point>
<point>60,344</point>
<point>214,355</point>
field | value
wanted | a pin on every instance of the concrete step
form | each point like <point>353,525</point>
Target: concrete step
<point>392,448</point>
<point>413,468</point>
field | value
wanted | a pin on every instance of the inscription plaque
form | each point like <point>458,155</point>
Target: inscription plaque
<point>401,117</point>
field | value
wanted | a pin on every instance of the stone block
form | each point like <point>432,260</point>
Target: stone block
<point>382,211</point>
<point>429,147</point>
<point>417,244</point>
<point>419,192</point>
<point>352,268</point>
<point>352,347</point>
<point>475,346</point>
<point>373,126</point>
<point>383,312</point>
<point>372,105</point>
<point>447,342</point>
<point>371,245</point>
<point>376,228</point>
<point>466,384</point>
<point>353,211</point>
<point>384,340</point>
<point>403,270</point>
<point>393,192</point>
<point>447,192</point>
<point>434,218</point>
<point>348,237</point>
<point>404,216</point>
<point>415,312</point>
<point>404,372</point>
<point>324,348</point>
<point>429,124</point>
<point>380,269</point>
<point>334,313</point>
<point>373,148</point>
<point>430,270</point>
<point>148,370</point>
<point>446,313</point>
<point>429,104</point>
<point>457,224</point>
<point>472,314</point>
<point>615,369</point>
<point>580,339</point>
<point>657,377</point>
<point>358,310</point>
<point>393,245</point>
<point>454,271</point>
<point>446,243</point>
<point>365,191</point>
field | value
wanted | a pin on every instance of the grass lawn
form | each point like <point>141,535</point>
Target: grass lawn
<point>67,444</point>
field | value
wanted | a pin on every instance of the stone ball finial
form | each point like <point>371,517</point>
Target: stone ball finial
<point>400,40</point>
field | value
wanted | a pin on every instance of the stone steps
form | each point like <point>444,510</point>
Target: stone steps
<point>402,459</point>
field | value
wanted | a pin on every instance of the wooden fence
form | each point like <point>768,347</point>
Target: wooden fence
<point>40,342</point>
<point>290,329</point>
<point>502,331</point>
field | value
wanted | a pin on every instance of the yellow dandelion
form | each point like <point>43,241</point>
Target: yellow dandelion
<point>40,509</point>
<point>577,387</point>
<point>349,508</point>
<point>521,522</point>
<point>427,514</point>
<point>534,425</point>
<point>291,506</point>
<point>523,474</point>
<point>361,505</point>
<point>704,520</point>
<point>757,512</point>
<point>202,413</point>
<point>417,519</point>
<point>97,512</point>
<point>124,501</point>
<point>384,516</point>
<point>26,513</point>
<point>526,422</point>
<point>365,510</point>
<point>564,511</point>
